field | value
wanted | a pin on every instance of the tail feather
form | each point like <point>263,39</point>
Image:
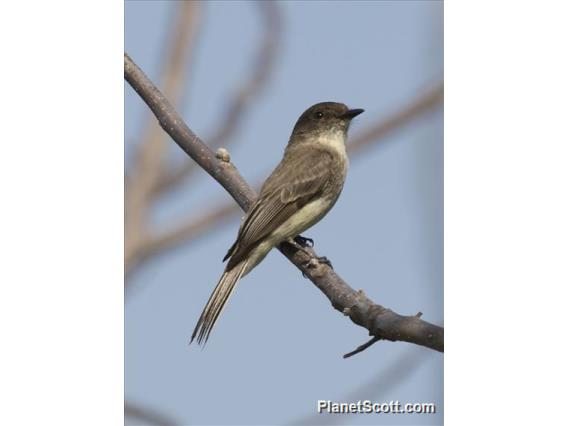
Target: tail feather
<point>217,302</point>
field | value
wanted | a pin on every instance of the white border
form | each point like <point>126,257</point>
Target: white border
<point>61,223</point>
<point>61,171</point>
<point>506,210</point>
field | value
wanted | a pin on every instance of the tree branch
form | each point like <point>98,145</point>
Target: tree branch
<point>381,322</point>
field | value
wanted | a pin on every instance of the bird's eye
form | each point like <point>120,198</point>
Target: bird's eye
<point>318,115</point>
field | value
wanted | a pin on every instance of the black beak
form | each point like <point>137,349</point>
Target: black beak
<point>352,113</point>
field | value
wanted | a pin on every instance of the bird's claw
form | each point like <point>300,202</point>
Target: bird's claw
<point>325,260</point>
<point>304,241</point>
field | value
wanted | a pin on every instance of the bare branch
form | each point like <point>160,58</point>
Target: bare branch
<point>179,234</point>
<point>148,162</point>
<point>193,228</point>
<point>243,97</point>
<point>146,415</point>
<point>381,322</point>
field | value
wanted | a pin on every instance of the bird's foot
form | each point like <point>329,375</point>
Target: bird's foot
<point>301,243</point>
<point>304,241</point>
<point>298,246</point>
<point>325,260</point>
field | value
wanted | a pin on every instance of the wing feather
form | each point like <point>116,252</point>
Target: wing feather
<point>285,192</point>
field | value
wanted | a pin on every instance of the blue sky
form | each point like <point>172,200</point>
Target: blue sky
<point>278,347</point>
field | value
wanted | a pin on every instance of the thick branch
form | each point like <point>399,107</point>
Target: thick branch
<point>381,322</point>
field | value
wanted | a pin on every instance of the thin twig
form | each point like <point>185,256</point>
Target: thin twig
<point>381,322</point>
<point>362,347</point>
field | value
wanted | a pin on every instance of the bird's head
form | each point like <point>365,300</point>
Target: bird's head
<point>325,117</point>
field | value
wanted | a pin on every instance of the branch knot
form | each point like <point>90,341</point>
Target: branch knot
<point>223,155</point>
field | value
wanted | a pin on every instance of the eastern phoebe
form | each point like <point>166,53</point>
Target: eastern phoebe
<point>298,193</point>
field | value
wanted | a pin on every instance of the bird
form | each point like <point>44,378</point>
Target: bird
<point>298,193</point>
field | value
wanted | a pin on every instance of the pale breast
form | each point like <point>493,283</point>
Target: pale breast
<point>333,140</point>
<point>335,143</point>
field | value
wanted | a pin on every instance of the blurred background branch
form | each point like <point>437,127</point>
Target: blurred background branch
<point>144,415</point>
<point>243,97</point>
<point>377,132</point>
<point>149,163</point>
<point>374,389</point>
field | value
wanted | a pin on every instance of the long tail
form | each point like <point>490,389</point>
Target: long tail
<point>217,302</point>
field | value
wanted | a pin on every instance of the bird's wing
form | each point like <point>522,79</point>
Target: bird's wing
<point>286,191</point>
